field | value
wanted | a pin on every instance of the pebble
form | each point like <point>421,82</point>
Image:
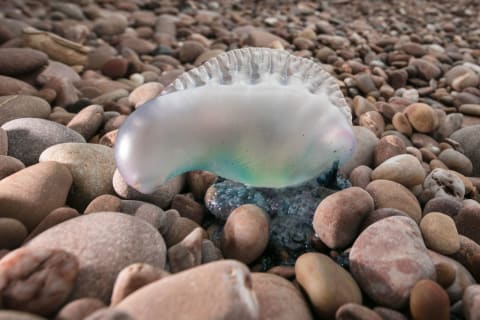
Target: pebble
<point>88,121</point>
<point>261,38</point>
<point>440,233</point>
<point>95,236</point>
<point>470,109</point>
<point>9,165</point>
<point>37,280</point>
<point>110,25</point>
<point>109,314</point>
<point>357,312</point>
<point>449,125</point>
<point>426,69</point>
<point>471,302</point>
<point>29,195</point>
<point>361,105</point>
<point>428,300</point>
<point>18,315</point>
<point>115,68</point>
<point>79,309</point>
<point>140,46</point>
<point>422,117</point>
<point>364,150</point>
<point>469,256</point>
<point>22,106</point>
<point>245,234</point>
<point>389,314</point>
<point>338,217</point>
<point>404,169</point>
<point>443,183</point>
<point>198,182</point>
<point>401,124</point>
<point>470,145</point>
<point>145,92</point>
<point>461,77</point>
<point>217,290</point>
<point>388,147</point>
<point>365,83</point>
<point>13,233</point>
<point>134,277</point>
<point>92,167</point>
<point>104,202</point>
<point>29,137</point>
<point>372,120</point>
<point>53,218</point>
<point>188,252</point>
<point>380,214</point>
<point>455,160</point>
<point>468,222</point>
<point>445,274</point>
<point>210,252</point>
<point>389,194</point>
<point>161,197</point>
<point>11,86</point>
<point>190,51</point>
<point>188,208</point>
<point>360,176</point>
<point>387,260</point>
<point>446,205</point>
<point>273,292</point>
<point>317,274</point>
<point>20,61</point>
<point>3,143</point>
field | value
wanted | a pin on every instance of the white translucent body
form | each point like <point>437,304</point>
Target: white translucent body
<point>269,129</point>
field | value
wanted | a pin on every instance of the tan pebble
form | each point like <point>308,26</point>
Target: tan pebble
<point>435,163</point>
<point>108,139</point>
<point>188,208</point>
<point>133,278</point>
<point>337,218</point>
<point>210,252</point>
<point>360,176</point>
<point>37,280</point>
<point>217,290</point>
<point>387,147</point>
<point>109,314</point>
<point>3,143</point>
<point>401,124</point>
<point>188,252</point>
<point>429,301</point>
<point>144,93</point>
<point>427,155</point>
<point>18,315</point>
<point>21,106</point>
<point>189,51</point>
<point>422,117</point>
<point>278,298</point>
<point>178,229</point>
<point>469,255</point>
<point>445,274</point>
<point>457,161</point>
<point>389,314</point>
<point>79,309</point>
<point>287,272</point>
<point>372,120</point>
<point>317,274</point>
<point>245,234</point>
<point>356,311</point>
<point>404,169</point>
<point>53,218</point>
<point>13,233</point>
<point>440,233</point>
<point>9,165</point>
<point>104,202</point>
<point>446,205</point>
<point>364,151</point>
<point>362,105</point>
<point>414,152</point>
<point>88,121</point>
<point>470,109</point>
<point>198,182</point>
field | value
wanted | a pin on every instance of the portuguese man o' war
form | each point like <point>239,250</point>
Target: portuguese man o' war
<point>258,116</point>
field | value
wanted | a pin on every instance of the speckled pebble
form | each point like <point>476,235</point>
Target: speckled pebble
<point>443,183</point>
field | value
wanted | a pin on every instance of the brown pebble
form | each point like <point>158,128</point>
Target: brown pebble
<point>429,301</point>
<point>360,176</point>
<point>3,143</point>
<point>188,252</point>
<point>380,214</point>
<point>439,233</point>
<point>445,274</point>
<point>422,117</point>
<point>372,120</point>
<point>198,182</point>
<point>387,147</point>
<point>13,233</point>
<point>53,218</point>
<point>401,124</point>
<point>115,68</point>
<point>188,208</point>
<point>79,309</point>
<point>457,161</point>
<point>88,121</point>
<point>9,165</point>
<point>104,202</point>
<point>210,252</point>
<point>353,311</point>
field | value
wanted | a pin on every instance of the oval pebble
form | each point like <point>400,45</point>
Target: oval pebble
<point>428,300</point>
<point>9,165</point>
<point>353,311</point>
<point>440,233</point>
<point>387,147</point>
<point>79,309</point>
<point>13,233</point>
<point>457,161</point>
<point>88,121</point>
<point>422,117</point>
<point>22,106</point>
<point>404,169</point>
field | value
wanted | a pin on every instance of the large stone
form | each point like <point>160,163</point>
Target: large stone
<point>387,260</point>
<point>22,106</point>
<point>104,243</point>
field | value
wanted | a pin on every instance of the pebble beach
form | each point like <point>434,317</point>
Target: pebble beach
<point>393,233</point>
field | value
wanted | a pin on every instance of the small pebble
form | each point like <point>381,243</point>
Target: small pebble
<point>428,301</point>
<point>440,233</point>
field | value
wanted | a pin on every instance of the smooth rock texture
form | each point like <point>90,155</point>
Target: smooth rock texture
<point>3,143</point>
<point>88,121</point>
<point>92,167</point>
<point>217,290</point>
<point>387,260</point>
<point>53,218</point>
<point>29,195</point>
<point>353,311</point>
<point>317,274</point>
<point>22,106</point>
<point>9,165</point>
<point>338,217</point>
<point>404,169</point>
<point>94,237</point>
<point>13,233</point>
<point>278,298</point>
<point>471,302</point>
<point>18,61</point>
<point>429,301</point>
<point>29,137</point>
<point>440,233</point>
<point>468,222</point>
<point>444,183</point>
<point>457,161</point>
<point>471,146</point>
<point>79,309</point>
<point>363,154</point>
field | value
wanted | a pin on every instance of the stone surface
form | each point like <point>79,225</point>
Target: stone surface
<point>29,195</point>
<point>404,169</point>
<point>364,150</point>
<point>3,143</point>
<point>29,137</point>
<point>92,167</point>
<point>338,217</point>
<point>422,117</point>
<point>471,302</point>
<point>429,301</point>
<point>53,218</point>
<point>79,309</point>
<point>455,160</point>
<point>9,165</point>
<point>13,233</point>
<point>444,183</point>
<point>356,312</point>
<point>440,233</point>
<point>92,238</point>
<point>317,274</point>
<point>187,253</point>
<point>278,298</point>
<point>88,121</point>
<point>388,147</point>
<point>468,222</point>
<point>18,61</point>
<point>387,260</point>
<point>217,290</point>
<point>471,145</point>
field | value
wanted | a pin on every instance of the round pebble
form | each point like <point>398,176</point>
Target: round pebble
<point>429,301</point>
<point>404,169</point>
<point>9,165</point>
<point>363,154</point>
<point>88,121</point>
<point>440,233</point>
<point>13,233</point>
<point>470,145</point>
<point>356,311</point>
<point>387,147</point>
<point>22,106</point>
<point>422,117</point>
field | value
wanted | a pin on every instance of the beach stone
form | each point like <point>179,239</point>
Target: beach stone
<point>245,234</point>
<point>110,25</point>
<point>145,92</point>
<point>53,218</point>
<point>109,314</point>
<point>449,125</point>
<point>428,300</point>
<point>388,258</point>
<point>115,68</point>
<point>104,202</point>
<point>470,145</point>
<point>404,169</point>
<point>88,121</point>
<point>278,298</point>
<point>388,147</point>
<point>188,208</point>
<point>380,214</point>
<point>446,205</point>
<point>372,120</point>
<point>140,46</point>
<point>13,233</point>
<point>18,315</point>
<point>444,183</point>
<point>134,277</point>
<point>210,252</point>
<point>364,151</point>
<point>360,176</point>
<point>457,161</point>
<point>29,137</point>
<point>161,197</point>
<point>470,109</point>
<point>440,233</point>
<point>317,274</point>
<point>354,311</point>
<point>338,217</point>
<point>422,117</point>
<point>261,38</point>
<point>124,240</point>
<point>18,61</point>
<point>79,309</point>
<point>389,314</point>
<point>365,82</point>
<point>389,194</point>
<point>37,280</point>
<point>188,252</point>
<point>426,69</point>
<point>445,274</point>
<point>92,167</point>
<point>469,256</point>
<point>190,51</point>
<point>468,222</point>
<point>217,290</point>
<point>9,165</point>
<point>3,143</point>
<point>22,106</point>
<point>461,77</point>
<point>401,124</point>
<point>29,195</point>
<point>361,105</point>
<point>414,49</point>
<point>207,55</point>
<point>471,302</point>
<point>198,182</point>
<point>12,86</point>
